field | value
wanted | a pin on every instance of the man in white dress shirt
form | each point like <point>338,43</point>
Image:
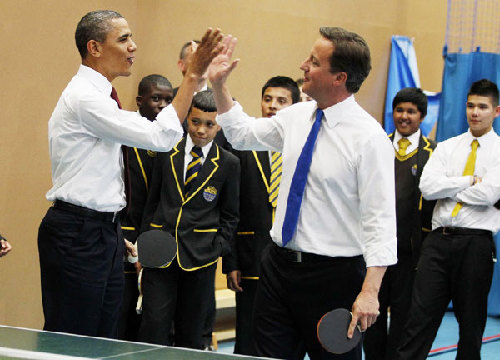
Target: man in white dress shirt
<point>346,226</point>
<point>456,262</point>
<point>80,242</point>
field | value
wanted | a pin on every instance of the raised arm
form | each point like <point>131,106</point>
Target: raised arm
<point>206,51</point>
<point>218,72</point>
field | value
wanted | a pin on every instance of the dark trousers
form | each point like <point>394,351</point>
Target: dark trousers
<point>455,267</point>
<point>129,322</point>
<point>172,294</point>
<point>244,344</point>
<point>292,297</point>
<point>381,342</point>
<point>209,322</point>
<point>81,267</point>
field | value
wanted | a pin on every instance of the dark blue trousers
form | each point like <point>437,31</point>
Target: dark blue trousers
<point>81,268</point>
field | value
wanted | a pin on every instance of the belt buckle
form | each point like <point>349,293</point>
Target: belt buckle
<point>294,256</point>
<point>447,230</point>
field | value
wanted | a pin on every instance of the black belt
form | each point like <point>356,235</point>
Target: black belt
<point>86,212</point>
<point>462,231</point>
<point>305,257</point>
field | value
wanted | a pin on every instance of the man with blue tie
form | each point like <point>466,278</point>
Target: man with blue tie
<point>335,228</point>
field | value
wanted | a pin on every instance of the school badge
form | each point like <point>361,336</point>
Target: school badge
<point>152,153</point>
<point>209,193</point>
<point>414,170</point>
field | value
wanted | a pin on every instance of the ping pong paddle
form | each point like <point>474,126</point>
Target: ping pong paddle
<point>332,332</point>
<point>156,248</point>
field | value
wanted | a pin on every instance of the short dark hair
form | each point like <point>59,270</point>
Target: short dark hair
<point>204,100</point>
<point>283,82</point>
<point>94,25</point>
<point>148,81</point>
<point>350,55</point>
<point>485,87</point>
<point>414,95</point>
<point>186,46</point>
<point>300,82</point>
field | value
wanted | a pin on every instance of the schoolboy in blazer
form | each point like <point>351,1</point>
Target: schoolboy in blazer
<point>256,213</point>
<point>414,216</point>
<point>200,210</point>
<point>154,93</point>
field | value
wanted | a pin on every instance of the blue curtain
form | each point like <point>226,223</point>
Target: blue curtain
<point>460,71</point>
<point>403,72</point>
<point>430,119</point>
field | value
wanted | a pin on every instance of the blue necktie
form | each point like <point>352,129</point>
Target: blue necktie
<point>299,182</point>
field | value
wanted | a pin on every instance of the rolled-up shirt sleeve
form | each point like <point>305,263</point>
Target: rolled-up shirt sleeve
<point>247,133</point>
<point>104,120</point>
<point>377,201</point>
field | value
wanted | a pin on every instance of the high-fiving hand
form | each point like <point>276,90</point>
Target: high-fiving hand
<point>222,65</point>
<point>210,46</point>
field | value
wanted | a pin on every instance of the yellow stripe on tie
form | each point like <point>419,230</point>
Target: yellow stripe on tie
<point>193,163</point>
<point>276,170</point>
<point>188,180</point>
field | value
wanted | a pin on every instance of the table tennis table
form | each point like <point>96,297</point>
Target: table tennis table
<point>22,343</point>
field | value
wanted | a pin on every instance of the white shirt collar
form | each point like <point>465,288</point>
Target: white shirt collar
<point>483,140</point>
<point>414,138</point>
<point>96,78</point>
<point>334,113</point>
<point>189,145</point>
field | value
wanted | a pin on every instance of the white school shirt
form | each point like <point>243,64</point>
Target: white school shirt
<point>442,180</point>
<point>348,207</point>
<point>86,131</point>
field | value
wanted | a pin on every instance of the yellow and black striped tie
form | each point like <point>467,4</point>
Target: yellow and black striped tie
<point>468,171</point>
<point>193,168</point>
<point>274,185</point>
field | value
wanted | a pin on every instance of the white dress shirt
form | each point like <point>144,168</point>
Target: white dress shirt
<point>442,180</point>
<point>348,207</point>
<point>187,153</point>
<point>86,132</point>
<point>413,138</point>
